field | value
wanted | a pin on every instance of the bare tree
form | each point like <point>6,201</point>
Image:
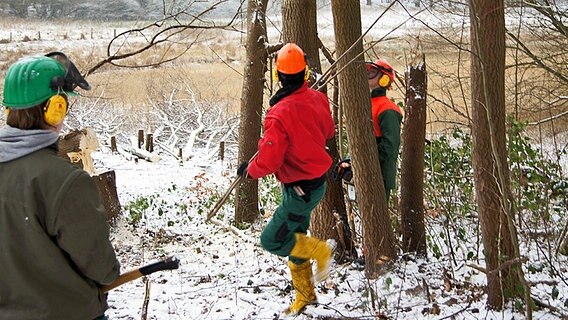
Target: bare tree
<point>412,164</point>
<point>378,238</point>
<point>246,202</point>
<point>491,171</point>
<point>168,33</point>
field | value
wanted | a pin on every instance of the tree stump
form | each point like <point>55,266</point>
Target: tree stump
<point>106,182</point>
<point>77,147</point>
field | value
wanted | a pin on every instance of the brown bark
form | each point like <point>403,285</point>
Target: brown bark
<point>329,219</point>
<point>491,173</point>
<point>412,163</point>
<point>378,238</point>
<point>246,200</point>
<point>106,183</point>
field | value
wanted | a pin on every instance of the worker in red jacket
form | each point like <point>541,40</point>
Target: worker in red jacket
<point>387,118</point>
<point>293,148</point>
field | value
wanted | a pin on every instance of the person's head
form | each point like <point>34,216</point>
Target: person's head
<point>291,65</point>
<point>36,90</point>
<point>380,74</point>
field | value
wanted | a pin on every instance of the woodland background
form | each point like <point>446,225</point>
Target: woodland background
<point>197,73</point>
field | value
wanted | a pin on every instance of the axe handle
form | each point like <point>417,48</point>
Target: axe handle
<point>223,199</point>
<point>225,196</point>
<point>170,263</point>
<point>122,279</point>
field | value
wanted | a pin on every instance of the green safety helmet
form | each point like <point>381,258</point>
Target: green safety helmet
<point>32,80</point>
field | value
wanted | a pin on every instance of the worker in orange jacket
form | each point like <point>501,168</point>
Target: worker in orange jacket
<point>387,119</point>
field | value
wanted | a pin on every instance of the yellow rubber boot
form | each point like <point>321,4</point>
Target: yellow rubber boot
<point>304,286</point>
<point>313,248</point>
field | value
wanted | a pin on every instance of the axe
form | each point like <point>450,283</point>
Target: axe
<point>170,263</point>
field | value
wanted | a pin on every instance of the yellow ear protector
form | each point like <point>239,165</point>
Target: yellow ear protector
<point>275,74</point>
<point>55,110</point>
<point>276,79</point>
<point>275,70</point>
<point>384,81</point>
<point>307,73</point>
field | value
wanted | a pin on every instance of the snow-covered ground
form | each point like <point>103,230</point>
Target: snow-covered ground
<point>227,275</point>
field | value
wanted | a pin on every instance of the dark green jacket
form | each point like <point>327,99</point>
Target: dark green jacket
<point>387,118</point>
<point>54,241</point>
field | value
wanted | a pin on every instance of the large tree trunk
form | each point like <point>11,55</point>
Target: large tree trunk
<point>412,164</point>
<point>246,199</point>
<point>490,168</point>
<point>329,219</point>
<point>378,238</point>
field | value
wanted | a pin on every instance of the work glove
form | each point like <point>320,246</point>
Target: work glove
<point>242,170</point>
<point>342,170</point>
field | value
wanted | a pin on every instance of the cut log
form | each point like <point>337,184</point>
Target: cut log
<point>77,147</point>
<point>141,153</point>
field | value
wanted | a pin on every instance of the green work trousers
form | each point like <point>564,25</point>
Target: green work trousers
<point>292,216</point>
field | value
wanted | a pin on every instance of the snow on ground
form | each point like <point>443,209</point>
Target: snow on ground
<point>226,275</point>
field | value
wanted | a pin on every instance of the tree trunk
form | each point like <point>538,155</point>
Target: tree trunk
<point>378,238</point>
<point>490,168</point>
<point>246,199</point>
<point>412,164</point>
<point>329,219</point>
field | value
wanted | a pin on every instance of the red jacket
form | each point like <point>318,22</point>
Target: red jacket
<point>295,133</point>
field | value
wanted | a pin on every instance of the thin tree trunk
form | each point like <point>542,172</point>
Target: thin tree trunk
<point>412,164</point>
<point>490,167</point>
<point>378,238</point>
<point>246,200</point>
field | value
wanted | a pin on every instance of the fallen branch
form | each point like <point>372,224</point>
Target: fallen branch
<point>233,230</point>
<point>504,265</point>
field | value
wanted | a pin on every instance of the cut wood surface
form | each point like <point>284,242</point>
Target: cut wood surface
<point>77,147</point>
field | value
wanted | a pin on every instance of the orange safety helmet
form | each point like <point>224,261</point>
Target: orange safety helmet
<point>290,59</point>
<point>383,68</point>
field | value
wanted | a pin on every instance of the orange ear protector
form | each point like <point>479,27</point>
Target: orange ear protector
<point>55,110</point>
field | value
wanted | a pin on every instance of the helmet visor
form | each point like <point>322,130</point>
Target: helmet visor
<point>73,77</point>
<point>372,70</point>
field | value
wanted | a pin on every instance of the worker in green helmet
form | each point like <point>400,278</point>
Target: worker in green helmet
<point>55,252</point>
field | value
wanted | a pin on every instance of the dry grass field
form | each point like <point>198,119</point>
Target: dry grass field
<point>210,71</point>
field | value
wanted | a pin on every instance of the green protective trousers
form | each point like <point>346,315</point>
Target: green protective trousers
<point>292,215</point>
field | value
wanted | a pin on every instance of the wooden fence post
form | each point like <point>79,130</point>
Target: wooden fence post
<point>113,147</point>
<point>140,138</point>
<point>222,150</point>
<point>149,142</point>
